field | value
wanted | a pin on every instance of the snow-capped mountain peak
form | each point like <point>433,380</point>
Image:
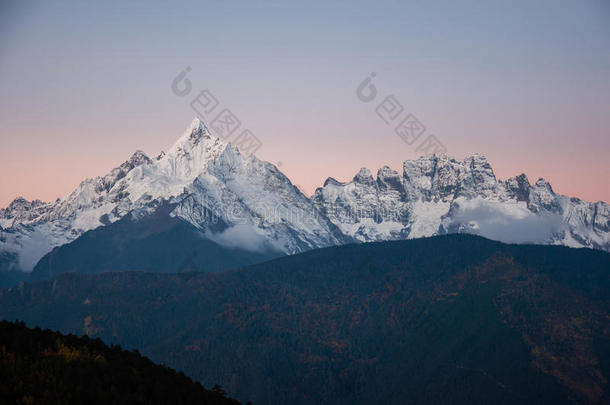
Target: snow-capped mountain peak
<point>200,175</point>
<point>138,158</point>
<point>364,176</point>
<point>437,195</point>
<point>242,202</point>
<point>37,227</point>
<point>194,134</point>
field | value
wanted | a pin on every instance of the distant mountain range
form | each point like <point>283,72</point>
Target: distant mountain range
<point>449,319</point>
<point>246,210</point>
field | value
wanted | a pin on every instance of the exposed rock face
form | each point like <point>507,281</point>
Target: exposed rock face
<point>212,185</point>
<point>237,199</point>
<point>439,195</point>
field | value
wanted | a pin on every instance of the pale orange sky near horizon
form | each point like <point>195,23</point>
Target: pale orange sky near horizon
<point>82,86</point>
<point>47,176</point>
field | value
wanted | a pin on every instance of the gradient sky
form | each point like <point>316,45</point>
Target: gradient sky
<point>526,83</point>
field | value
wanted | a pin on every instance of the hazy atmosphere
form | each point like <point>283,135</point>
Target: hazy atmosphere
<point>524,83</point>
<point>308,203</point>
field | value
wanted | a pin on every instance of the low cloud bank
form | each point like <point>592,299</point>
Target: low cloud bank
<point>512,223</point>
<point>243,237</point>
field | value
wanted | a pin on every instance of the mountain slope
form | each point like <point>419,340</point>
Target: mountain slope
<point>439,195</point>
<point>153,242</point>
<point>234,200</point>
<point>454,318</point>
<point>242,203</point>
<point>40,366</point>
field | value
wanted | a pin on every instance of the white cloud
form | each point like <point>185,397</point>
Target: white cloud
<point>242,237</point>
<point>508,222</point>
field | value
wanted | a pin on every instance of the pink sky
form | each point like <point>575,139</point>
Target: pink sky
<point>525,83</point>
<point>39,165</point>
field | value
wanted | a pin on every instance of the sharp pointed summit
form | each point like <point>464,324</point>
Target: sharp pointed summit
<point>200,177</point>
<point>239,201</point>
<point>195,132</point>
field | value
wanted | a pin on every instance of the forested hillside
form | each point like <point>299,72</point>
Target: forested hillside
<point>44,367</point>
<point>450,319</point>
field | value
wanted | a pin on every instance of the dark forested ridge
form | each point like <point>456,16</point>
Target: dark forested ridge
<point>44,367</point>
<point>157,243</point>
<point>450,319</point>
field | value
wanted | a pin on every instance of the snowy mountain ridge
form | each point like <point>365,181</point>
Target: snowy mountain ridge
<point>439,195</point>
<point>212,185</point>
<point>240,201</point>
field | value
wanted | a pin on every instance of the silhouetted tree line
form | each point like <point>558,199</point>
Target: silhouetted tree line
<point>44,367</point>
